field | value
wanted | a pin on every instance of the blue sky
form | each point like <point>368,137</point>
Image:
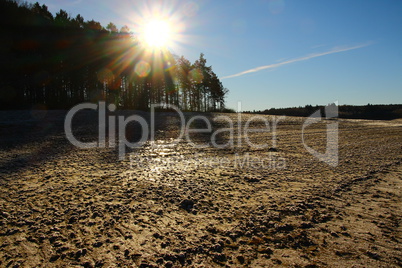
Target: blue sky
<point>279,53</point>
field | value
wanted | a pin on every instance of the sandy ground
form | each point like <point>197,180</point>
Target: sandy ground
<point>176,205</point>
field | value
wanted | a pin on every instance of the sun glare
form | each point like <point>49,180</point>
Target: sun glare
<point>157,34</point>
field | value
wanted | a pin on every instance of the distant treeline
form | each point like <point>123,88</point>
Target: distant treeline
<point>380,112</point>
<point>59,61</point>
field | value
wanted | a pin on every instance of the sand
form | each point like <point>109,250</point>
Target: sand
<point>179,206</point>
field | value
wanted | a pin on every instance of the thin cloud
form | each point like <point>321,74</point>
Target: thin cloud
<point>310,56</point>
<point>318,46</point>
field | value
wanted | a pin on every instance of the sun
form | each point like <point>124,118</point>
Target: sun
<point>157,34</point>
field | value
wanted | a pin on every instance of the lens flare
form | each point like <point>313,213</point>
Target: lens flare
<point>190,9</point>
<point>196,76</point>
<point>142,68</point>
<point>105,74</point>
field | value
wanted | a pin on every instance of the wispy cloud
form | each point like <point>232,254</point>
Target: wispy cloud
<point>318,46</point>
<point>310,56</point>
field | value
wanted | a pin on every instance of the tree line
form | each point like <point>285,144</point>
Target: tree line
<point>369,111</point>
<point>59,61</point>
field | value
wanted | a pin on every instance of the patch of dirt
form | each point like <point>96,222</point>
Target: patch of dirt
<point>174,205</point>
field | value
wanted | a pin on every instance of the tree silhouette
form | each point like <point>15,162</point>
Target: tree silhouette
<point>112,27</point>
<point>59,61</point>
